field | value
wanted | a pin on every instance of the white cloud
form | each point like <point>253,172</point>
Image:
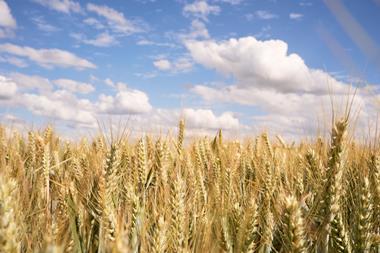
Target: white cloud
<point>70,111</point>
<point>233,2</point>
<point>146,75</point>
<point>115,19</point>
<point>159,121</point>
<point>126,101</point>
<point>78,36</point>
<point>201,9</point>
<point>43,25</point>
<point>206,119</point>
<point>45,86</point>
<point>8,88</point>
<point>102,40</point>
<point>109,82</point>
<point>266,15</point>
<point>14,61</point>
<point>13,119</point>
<point>65,6</point>
<point>118,86</point>
<point>35,95</point>
<point>162,64</point>
<point>60,105</point>
<point>198,30</point>
<point>94,22</point>
<point>48,58</point>
<point>6,18</point>
<point>31,82</point>
<point>262,64</point>
<point>182,64</point>
<point>267,100</point>
<point>288,93</point>
<point>7,21</point>
<point>145,42</point>
<point>291,114</point>
<point>74,86</point>
<point>295,16</point>
<point>199,122</point>
<point>59,102</point>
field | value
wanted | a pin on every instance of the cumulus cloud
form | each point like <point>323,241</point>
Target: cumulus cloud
<point>291,114</point>
<point>200,9</point>
<point>162,64</point>
<point>31,82</point>
<point>115,19</point>
<point>199,122</point>
<point>6,18</point>
<point>206,119</point>
<point>118,86</point>
<point>7,21</point>
<point>261,64</point>
<point>182,64</point>
<point>65,6</point>
<point>198,30</point>
<point>60,105</point>
<point>47,58</point>
<point>126,101</point>
<point>109,82</point>
<point>45,86</point>
<point>74,86</point>
<point>58,100</point>
<point>279,84</point>
<point>266,99</point>
<point>8,88</point>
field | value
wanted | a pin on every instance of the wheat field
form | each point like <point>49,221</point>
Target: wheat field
<point>178,194</point>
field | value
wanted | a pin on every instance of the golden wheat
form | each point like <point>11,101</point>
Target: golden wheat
<point>188,195</point>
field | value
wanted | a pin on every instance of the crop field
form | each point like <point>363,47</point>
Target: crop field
<point>189,126</point>
<point>172,194</point>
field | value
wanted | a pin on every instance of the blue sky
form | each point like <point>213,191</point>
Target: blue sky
<point>240,65</point>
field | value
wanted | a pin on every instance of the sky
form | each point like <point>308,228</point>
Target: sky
<point>244,66</point>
